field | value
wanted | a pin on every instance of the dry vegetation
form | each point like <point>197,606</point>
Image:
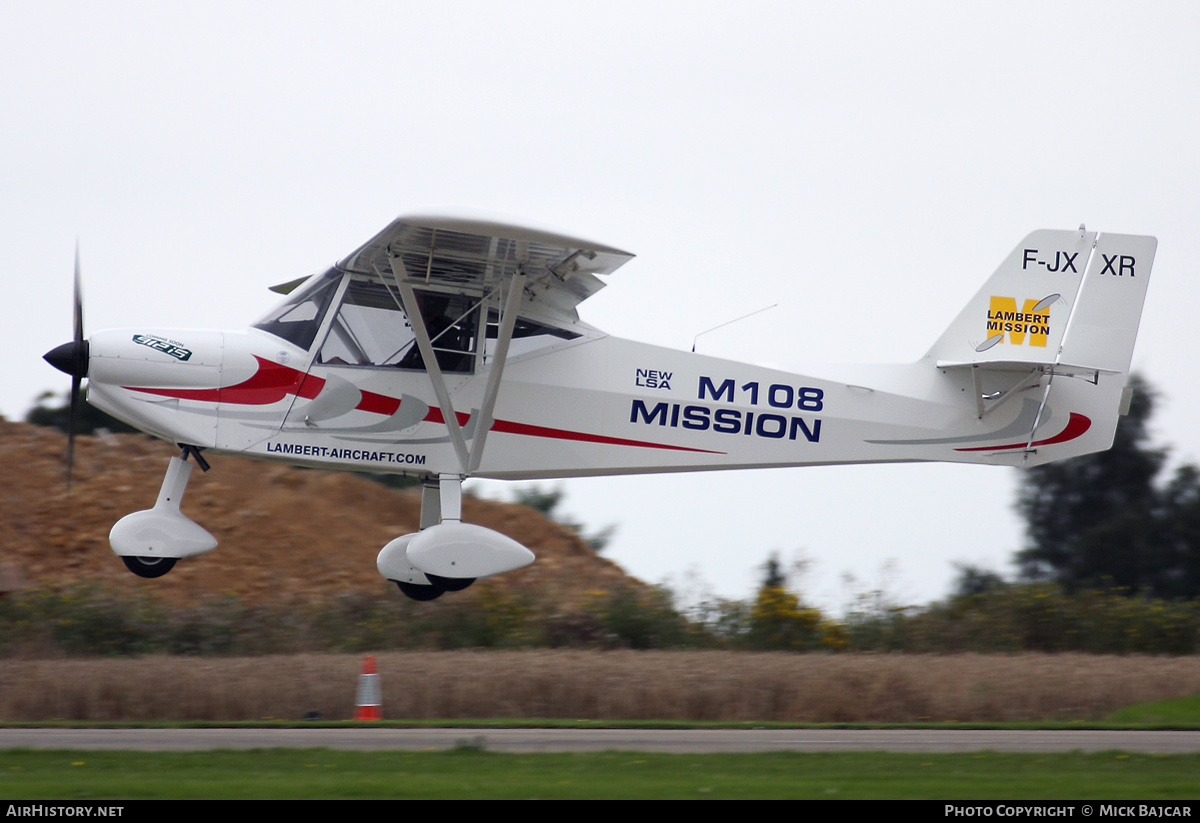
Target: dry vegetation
<point>598,685</point>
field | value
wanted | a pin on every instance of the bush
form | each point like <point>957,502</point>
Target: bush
<point>1040,617</point>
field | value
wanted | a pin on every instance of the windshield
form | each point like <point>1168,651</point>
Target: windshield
<point>299,318</point>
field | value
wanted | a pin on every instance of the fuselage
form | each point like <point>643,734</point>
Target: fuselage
<point>584,405</point>
<point>337,376</point>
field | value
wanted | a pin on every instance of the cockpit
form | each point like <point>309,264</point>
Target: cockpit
<point>355,320</point>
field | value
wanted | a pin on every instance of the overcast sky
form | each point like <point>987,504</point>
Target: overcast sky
<point>863,165</point>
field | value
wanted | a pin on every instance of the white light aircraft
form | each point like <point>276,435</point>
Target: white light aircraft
<point>449,347</point>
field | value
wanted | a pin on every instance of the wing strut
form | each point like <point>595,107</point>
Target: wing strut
<point>468,459</point>
<point>413,309</point>
<point>516,286</point>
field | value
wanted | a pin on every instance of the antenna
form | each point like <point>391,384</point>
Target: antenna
<point>730,322</point>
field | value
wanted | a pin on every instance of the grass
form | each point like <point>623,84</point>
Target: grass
<point>1182,713</point>
<point>476,774</point>
<point>469,771</point>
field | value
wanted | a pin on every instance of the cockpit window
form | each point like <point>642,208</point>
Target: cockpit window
<point>527,336</point>
<point>298,319</point>
<point>372,329</point>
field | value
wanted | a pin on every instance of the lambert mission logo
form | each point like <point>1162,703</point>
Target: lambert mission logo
<point>1031,323</point>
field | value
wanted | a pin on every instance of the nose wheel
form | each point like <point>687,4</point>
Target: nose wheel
<point>149,542</point>
<point>149,567</point>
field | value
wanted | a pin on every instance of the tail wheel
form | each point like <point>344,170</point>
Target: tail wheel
<point>149,567</point>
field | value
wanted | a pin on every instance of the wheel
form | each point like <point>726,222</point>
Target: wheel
<point>149,567</point>
<point>450,584</point>
<point>418,592</point>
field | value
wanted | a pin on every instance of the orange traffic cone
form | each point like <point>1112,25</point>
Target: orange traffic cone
<point>369,703</point>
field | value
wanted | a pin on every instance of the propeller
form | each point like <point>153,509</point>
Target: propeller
<point>72,358</point>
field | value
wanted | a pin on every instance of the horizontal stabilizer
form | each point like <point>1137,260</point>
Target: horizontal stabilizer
<point>1023,367</point>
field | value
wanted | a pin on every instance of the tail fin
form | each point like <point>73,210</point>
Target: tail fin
<point>1059,317</point>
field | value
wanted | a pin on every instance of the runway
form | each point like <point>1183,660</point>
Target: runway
<point>694,741</point>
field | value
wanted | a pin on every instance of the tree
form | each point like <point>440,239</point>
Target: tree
<point>973,580</point>
<point>539,500</point>
<point>547,502</point>
<point>1101,519</point>
<point>88,420</point>
<point>773,576</point>
<point>778,620</point>
<point>1178,538</point>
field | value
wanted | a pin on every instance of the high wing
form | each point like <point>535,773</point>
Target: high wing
<point>505,265</point>
<point>475,254</point>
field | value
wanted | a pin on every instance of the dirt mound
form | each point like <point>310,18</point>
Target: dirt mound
<point>283,532</point>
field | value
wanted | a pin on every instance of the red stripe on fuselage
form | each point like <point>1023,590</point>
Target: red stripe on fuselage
<point>1077,424</point>
<point>273,382</point>
<point>509,427</point>
<point>435,416</point>
<point>269,384</point>
<point>377,403</point>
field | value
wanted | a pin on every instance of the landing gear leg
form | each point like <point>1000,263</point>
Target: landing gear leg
<point>149,542</point>
<point>444,495</point>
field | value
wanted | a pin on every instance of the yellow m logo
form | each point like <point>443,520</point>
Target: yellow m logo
<point>1003,318</point>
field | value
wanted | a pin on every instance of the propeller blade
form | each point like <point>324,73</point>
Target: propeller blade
<point>72,425</point>
<point>80,369</point>
<point>72,358</point>
<point>78,300</point>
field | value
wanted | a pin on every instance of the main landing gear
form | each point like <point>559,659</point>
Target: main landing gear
<point>447,555</point>
<point>151,541</point>
<point>149,567</point>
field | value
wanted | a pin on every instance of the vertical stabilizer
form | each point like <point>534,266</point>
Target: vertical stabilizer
<point>1020,315</point>
<point>1054,327</point>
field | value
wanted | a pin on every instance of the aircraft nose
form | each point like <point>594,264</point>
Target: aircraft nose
<point>70,358</point>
